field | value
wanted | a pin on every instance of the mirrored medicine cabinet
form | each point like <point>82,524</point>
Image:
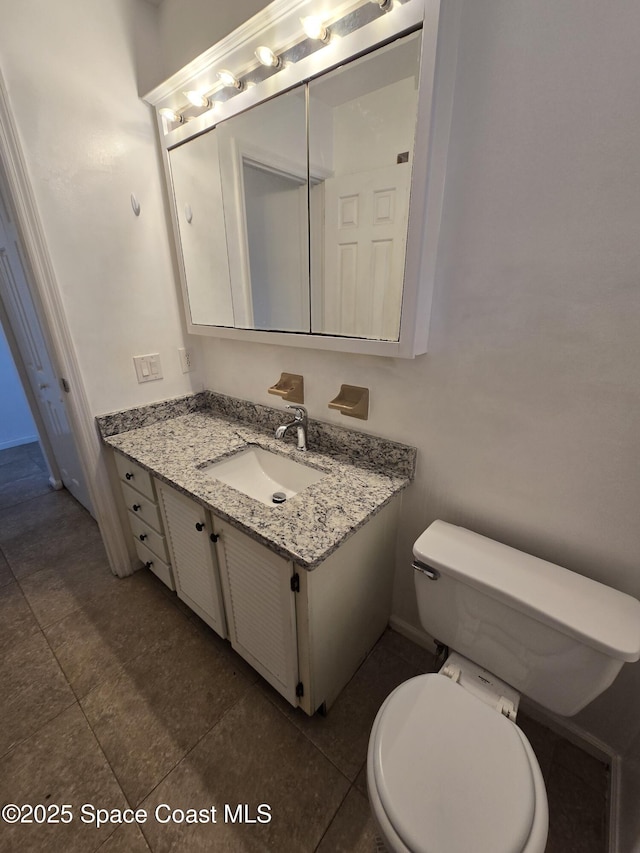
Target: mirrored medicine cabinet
<point>300,205</point>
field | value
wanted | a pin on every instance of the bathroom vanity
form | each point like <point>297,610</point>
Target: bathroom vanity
<point>302,589</point>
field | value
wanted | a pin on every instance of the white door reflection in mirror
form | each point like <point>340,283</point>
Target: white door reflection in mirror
<point>263,162</point>
<point>195,175</point>
<point>366,114</point>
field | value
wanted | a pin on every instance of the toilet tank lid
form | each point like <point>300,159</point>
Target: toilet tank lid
<point>603,618</point>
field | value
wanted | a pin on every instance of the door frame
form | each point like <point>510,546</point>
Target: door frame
<point>46,293</point>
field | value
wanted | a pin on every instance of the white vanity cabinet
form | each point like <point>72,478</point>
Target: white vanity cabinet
<point>307,632</point>
<point>258,587</point>
<point>195,572</point>
<point>144,517</point>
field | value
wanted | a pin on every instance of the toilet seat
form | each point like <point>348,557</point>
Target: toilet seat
<point>449,774</point>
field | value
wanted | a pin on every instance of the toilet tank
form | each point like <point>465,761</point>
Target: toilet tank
<point>554,635</point>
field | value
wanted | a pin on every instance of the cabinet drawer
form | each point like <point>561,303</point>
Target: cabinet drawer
<point>153,562</point>
<point>148,536</point>
<point>142,506</point>
<point>135,476</point>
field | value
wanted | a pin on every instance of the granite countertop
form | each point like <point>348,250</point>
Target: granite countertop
<point>308,527</point>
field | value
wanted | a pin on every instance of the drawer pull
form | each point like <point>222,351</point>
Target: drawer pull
<point>142,537</point>
<point>136,507</point>
<point>128,476</point>
<point>199,526</point>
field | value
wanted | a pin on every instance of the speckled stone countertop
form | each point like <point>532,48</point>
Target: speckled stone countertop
<point>174,440</point>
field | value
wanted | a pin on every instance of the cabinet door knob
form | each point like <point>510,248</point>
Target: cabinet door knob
<point>135,507</point>
<point>214,537</point>
<point>142,537</point>
<point>128,476</point>
<point>148,564</point>
<point>199,526</point>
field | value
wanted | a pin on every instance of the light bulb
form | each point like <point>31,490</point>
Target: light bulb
<point>229,79</point>
<point>267,57</point>
<point>314,28</point>
<point>171,115</point>
<point>198,99</point>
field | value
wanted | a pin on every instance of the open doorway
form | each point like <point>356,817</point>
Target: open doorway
<point>24,472</point>
<point>33,367</point>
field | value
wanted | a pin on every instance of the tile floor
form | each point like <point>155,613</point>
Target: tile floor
<point>115,695</point>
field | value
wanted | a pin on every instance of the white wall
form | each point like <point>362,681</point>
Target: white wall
<point>16,424</point>
<point>189,27</point>
<point>89,142</point>
<point>526,410</point>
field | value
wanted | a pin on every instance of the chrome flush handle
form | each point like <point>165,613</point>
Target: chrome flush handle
<point>423,568</point>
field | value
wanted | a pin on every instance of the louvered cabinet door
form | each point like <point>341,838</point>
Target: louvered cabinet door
<point>260,607</point>
<point>188,528</point>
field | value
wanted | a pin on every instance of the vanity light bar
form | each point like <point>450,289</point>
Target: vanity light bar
<point>198,99</point>
<point>171,115</point>
<point>266,56</point>
<point>228,78</point>
<point>314,30</point>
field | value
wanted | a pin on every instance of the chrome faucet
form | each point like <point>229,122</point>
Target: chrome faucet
<point>299,422</point>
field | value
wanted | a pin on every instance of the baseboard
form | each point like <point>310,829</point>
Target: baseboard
<point>18,442</point>
<point>615,803</point>
<point>416,635</point>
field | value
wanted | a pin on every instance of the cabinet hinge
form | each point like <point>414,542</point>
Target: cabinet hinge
<point>299,689</point>
<point>295,583</point>
<point>214,537</point>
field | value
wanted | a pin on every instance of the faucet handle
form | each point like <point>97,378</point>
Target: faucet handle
<point>301,412</point>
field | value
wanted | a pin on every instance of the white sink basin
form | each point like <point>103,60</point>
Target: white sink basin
<point>261,474</point>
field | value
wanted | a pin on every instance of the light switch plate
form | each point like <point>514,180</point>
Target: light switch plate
<point>148,367</point>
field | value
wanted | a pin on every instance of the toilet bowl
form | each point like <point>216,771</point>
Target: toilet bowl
<point>448,768</point>
<point>447,773</point>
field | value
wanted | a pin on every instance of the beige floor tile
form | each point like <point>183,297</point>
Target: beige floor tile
<point>16,619</point>
<point>421,659</point>
<point>542,739</point>
<point>94,642</point>
<point>352,830</point>
<point>577,815</point>
<point>589,769</point>
<point>48,530</point>
<point>34,690</point>
<point>361,781</point>
<point>6,575</point>
<point>150,716</point>
<point>253,756</point>
<point>24,489</point>
<point>126,839</point>
<point>68,582</point>
<point>343,735</point>
<point>60,764</point>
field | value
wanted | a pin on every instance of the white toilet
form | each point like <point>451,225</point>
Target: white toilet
<point>448,769</point>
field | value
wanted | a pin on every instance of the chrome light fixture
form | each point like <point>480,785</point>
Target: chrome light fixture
<point>267,57</point>
<point>171,115</point>
<point>315,29</point>
<point>385,5</point>
<point>198,99</point>
<point>229,79</point>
